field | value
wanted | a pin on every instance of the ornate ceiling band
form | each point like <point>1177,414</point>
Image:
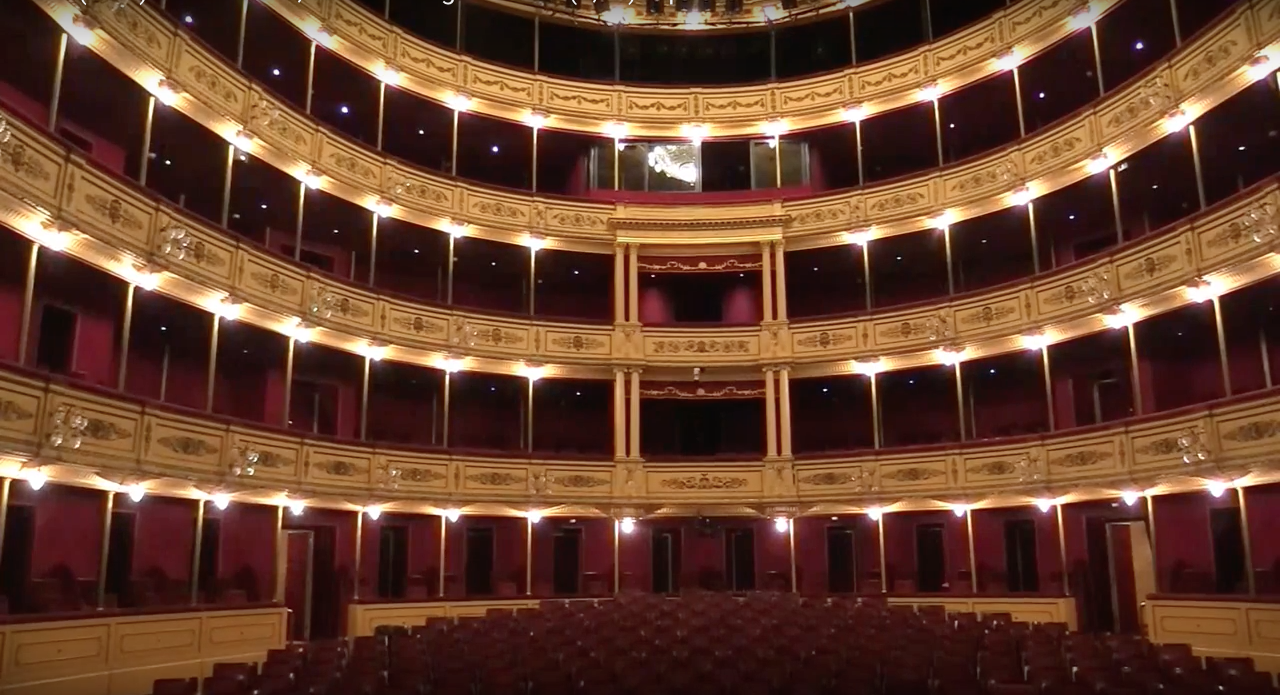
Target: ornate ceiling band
<point>1199,76</point>
<point>753,13</point>
<point>111,224</point>
<point>88,438</point>
<point>373,43</point>
<point>697,391</point>
<point>699,264</point>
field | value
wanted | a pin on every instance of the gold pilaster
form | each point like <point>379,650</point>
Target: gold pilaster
<point>617,155</point>
<point>1017,97</point>
<point>784,411</point>
<point>884,569</point>
<point>780,285</point>
<point>364,398</point>
<point>244,18</point>
<point>791,548</point>
<point>533,278</point>
<point>1250,581</point>
<point>1223,360</point>
<point>105,547</point>
<point>1195,160</point>
<point>444,537</point>
<point>1151,529</point>
<point>278,552</point>
<point>777,161</point>
<point>148,125</point>
<point>960,399</point>
<point>453,146</point>
<point>373,248</point>
<point>635,413</point>
<point>533,168</point>
<point>453,249</point>
<point>1115,205</point>
<point>877,435</point>
<point>766,278</point>
<point>1265,348</point>
<point>973,554</point>
<point>528,554</point>
<point>311,76</point>
<point>866,272</point>
<point>1035,238</point>
<point>1135,374</point>
<point>633,283</point>
<point>299,214</point>
<point>382,113</point>
<point>770,414</point>
<point>617,569</point>
<point>28,299</point>
<point>355,592</point>
<point>212,373</point>
<point>937,128</point>
<point>857,145</point>
<point>951,271</point>
<point>619,413</point>
<point>444,439</point>
<point>196,551</point>
<point>1048,386</point>
<point>1062,551</point>
<point>528,419</point>
<point>122,369</point>
<point>59,68</point>
<point>619,283</point>
<point>164,373</point>
<point>1097,58</point>
<point>226,185</point>
<point>5,484</point>
<point>288,380</point>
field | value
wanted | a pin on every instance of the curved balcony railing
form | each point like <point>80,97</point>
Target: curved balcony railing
<point>1199,76</point>
<point>123,230</point>
<point>80,436</point>
<point>375,44</point>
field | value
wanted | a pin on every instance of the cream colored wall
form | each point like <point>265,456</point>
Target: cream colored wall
<point>1219,628</point>
<point>124,655</point>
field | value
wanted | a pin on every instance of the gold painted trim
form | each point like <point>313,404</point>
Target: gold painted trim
<point>1116,125</point>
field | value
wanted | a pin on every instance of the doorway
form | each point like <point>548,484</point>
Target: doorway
<point>931,558</point>
<point>120,558</point>
<point>15,559</point>
<point>740,558</point>
<point>841,564</point>
<point>478,573</point>
<point>566,560</point>
<point>1121,574</point>
<point>666,560</point>
<point>393,561</point>
<point>299,556</point>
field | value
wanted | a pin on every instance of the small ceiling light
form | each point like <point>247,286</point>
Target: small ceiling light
<point>532,372</point>
<point>854,113</point>
<point>165,92</point>
<point>1260,67</point>
<point>950,357</point>
<point>1122,317</point>
<point>930,92</point>
<point>771,13</point>
<point>136,492</point>
<point>613,16</point>
<point>696,132</point>
<point>627,524</point>
<point>534,517</point>
<point>452,365</point>
<point>775,128</point>
<point>374,351</point>
<point>1083,18</point>
<point>1217,488</point>
<point>453,514</point>
<point>456,229</point>
<point>781,524</point>
<point>383,207</point>
<point>535,242</point>
<point>228,309</point>
<point>693,19</point>
<point>458,101</point>
<point>1044,505</point>
<point>615,130</point>
<point>311,178</point>
<point>1099,164</point>
<point>1176,121</point>
<point>1129,497</point>
<point>1203,290</point>
<point>389,74</point>
<point>301,332</point>
<point>875,513</point>
<point>1022,196</point>
<point>37,480</point>
<point>943,220</point>
<point>297,507</point>
<point>1008,61</point>
<point>868,367</point>
<point>959,510</point>
<point>221,501</point>
<point>535,119</point>
<point>859,238</point>
<point>1035,341</point>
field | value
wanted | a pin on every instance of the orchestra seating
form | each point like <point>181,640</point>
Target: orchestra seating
<point>718,644</point>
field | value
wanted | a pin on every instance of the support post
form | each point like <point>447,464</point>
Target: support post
<point>877,435</point>
<point>791,548</point>
<point>617,570</point>
<point>633,283</point>
<point>973,554</point>
<point>147,126</point>
<point>780,283</point>
<point>528,416</point>
<point>355,591</point>
<point>278,548</point>
<point>382,114</point>
<point>960,400</point>
<point>1250,581</point>
<point>635,413</point>
<point>1035,238</point>
<point>937,129</point>
<point>126,326</point>
<point>1195,160</point>
<point>59,67</point>
<point>1017,96</point>
<point>1135,375</point>
<point>884,570</point>
<point>288,380</point>
<point>212,373</point>
<point>5,484</point>
<point>226,186</point>
<point>784,412</point>
<point>1097,58</point>
<point>766,278</point>
<point>28,300</point>
<point>196,551</point>
<point>311,77</point>
<point>364,399</point>
<point>244,19</point>
<point>448,285</point>
<point>866,272</point>
<point>1115,205</point>
<point>951,271</point>
<point>108,508</point>
<point>444,439</point>
<point>373,248</point>
<point>1223,360</point>
<point>444,537</point>
<point>770,415</point>
<point>299,214</point>
<point>1048,386</point>
<point>1062,552</point>
<point>619,284</point>
<point>528,554</point>
<point>453,146</point>
<point>619,413</point>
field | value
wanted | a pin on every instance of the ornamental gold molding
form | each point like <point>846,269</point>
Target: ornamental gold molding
<point>1200,75</point>
<point>195,262</point>
<point>177,453</point>
<point>374,43</point>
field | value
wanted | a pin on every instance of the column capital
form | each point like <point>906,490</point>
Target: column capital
<point>776,368</point>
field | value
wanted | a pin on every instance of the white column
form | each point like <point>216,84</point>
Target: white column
<point>766,278</point>
<point>619,414</point>
<point>770,414</point>
<point>784,396</point>
<point>633,283</point>
<point>779,260</point>
<point>635,413</point>
<point>619,284</point>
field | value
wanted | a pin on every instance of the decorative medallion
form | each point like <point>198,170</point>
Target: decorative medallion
<point>824,340</point>
<point>579,481</point>
<point>913,474</point>
<point>704,481</point>
<point>339,468</point>
<point>418,324</point>
<point>701,347</point>
<point>496,479</point>
<point>1255,431</point>
<point>187,446</point>
<point>12,411</point>
<point>576,343</point>
<point>1081,459</point>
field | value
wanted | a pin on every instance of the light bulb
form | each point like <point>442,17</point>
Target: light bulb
<point>959,510</point>
<point>37,480</point>
<point>781,524</point>
<point>453,514</point>
<point>627,525</point>
<point>875,513</point>
<point>373,512</point>
<point>296,507</point>
<point>534,517</point>
<point>1216,488</point>
<point>220,501</point>
<point>1044,505</point>
<point>136,492</point>
<point>1129,497</point>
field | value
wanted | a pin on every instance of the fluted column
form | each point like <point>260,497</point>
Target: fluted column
<point>619,413</point>
<point>766,278</point>
<point>633,283</point>
<point>619,284</point>
<point>770,414</point>
<point>635,413</point>
<point>784,399</point>
<point>780,282</point>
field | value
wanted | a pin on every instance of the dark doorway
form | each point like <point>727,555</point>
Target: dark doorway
<point>393,561</point>
<point>1021,569</point>
<point>15,560</point>
<point>566,561</point>
<point>479,561</point>
<point>1228,550</point>
<point>120,557</point>
<point>931,557</point>
<point>56,344</point>
<point>666,561</point>
<point>841,569</point>
<point>298,584</point>
<point>740,558</point>
<point>210,551</point>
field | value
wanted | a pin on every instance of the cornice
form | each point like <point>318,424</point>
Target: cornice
<point>119,443</point>
<point>752,15</point>
<point>117,227</point>
<point>373,43</point>
<point>1201,75</point>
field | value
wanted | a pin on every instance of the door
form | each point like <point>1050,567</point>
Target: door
<point>1131,573</point>
<point>478,564</point>
<point>566,561</point>
<point>299,552</point>
<point>15,559</point>
<point>666,561</point>
<point>841,565</point>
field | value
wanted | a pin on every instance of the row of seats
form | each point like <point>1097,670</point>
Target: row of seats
<point>715,644</point>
